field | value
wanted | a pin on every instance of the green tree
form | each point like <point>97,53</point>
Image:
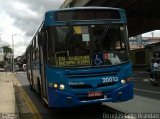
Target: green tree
<point>7,50</point>
<point>2,63</point>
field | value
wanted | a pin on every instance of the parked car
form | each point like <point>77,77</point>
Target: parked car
<point>1,69</point>
<point>24,67</point>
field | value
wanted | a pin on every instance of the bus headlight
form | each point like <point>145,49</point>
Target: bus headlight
<point>123,81</point>
<point>61,87</point>
<point>55,85</point>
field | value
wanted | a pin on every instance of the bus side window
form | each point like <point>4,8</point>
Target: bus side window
<point>45,44</point>
<point>36,48</point>
<point>32,52</point>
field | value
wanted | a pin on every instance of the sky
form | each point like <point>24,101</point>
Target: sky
<point>21,18</point>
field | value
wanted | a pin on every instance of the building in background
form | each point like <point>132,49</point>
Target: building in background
<point>1,54</point>
<point>140,42</point>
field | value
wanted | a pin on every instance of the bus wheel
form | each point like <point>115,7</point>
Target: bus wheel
<point>154,83</point>
<point>98,104</point>
<point>31,87</point>
<point>45,104</point>
<point>39,87</point>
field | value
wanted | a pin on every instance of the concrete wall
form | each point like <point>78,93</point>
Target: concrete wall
<point>74,3</point>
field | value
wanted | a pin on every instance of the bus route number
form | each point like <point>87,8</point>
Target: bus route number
<point>109,79</point>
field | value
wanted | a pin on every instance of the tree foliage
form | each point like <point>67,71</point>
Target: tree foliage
<point>7,50</point>
<point>2,63</point>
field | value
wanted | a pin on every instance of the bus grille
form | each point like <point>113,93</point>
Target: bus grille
<point>80,86</point>
<point>106,84</point>
<point>92,74</point>
<point>90,98</point>
<point>90,86</point>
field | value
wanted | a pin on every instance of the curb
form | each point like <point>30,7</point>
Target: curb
<point>29,104</point>
<point>16,107</point>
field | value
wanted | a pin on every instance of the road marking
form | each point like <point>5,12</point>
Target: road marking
<point>147,91</point>
<point>138,79</point>
<point>146,80</point>
<point>31,106</point>
<point>19,85</point>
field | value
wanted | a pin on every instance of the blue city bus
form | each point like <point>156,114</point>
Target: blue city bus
<point>81,56</point>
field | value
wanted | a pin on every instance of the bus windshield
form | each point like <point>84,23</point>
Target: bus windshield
<point>87,45</point>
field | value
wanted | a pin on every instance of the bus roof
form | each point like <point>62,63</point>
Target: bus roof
<point>82,8</point>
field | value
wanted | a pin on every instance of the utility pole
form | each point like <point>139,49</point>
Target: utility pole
<point>13,52</point>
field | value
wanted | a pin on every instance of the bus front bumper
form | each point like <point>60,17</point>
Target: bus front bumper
<point>60,99</point>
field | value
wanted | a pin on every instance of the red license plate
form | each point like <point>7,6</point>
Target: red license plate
<point>94,94</point>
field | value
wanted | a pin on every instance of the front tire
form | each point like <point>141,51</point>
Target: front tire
<point>30,83</point>
<point>153,83</point>
<point>39,88</point>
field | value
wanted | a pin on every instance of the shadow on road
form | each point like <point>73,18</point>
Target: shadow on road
<point>82,112</point>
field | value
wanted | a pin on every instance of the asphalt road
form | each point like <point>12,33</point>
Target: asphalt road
<point>142,87</point>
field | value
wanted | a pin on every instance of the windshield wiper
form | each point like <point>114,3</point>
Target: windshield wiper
<point>71,29</point>
<point>104,33</point>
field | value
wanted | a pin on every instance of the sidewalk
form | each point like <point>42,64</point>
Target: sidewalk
<point>7,95</point>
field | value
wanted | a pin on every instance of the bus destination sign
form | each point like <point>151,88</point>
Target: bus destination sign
<point>91,14</point>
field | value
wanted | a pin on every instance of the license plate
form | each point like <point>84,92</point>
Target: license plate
<point>94,94</point>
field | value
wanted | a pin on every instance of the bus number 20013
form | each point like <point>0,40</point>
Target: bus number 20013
<point>109,79</point>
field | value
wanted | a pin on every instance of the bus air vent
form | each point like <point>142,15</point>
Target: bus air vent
<point>106,84</point>
<point>80,86</point>
<point>90,98</point>
<point>91,74</point>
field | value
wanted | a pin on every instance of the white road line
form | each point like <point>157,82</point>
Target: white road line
<point>134,78</point>
<point>137,79</point>
<point>147,91</point>
<point>146,80</point>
